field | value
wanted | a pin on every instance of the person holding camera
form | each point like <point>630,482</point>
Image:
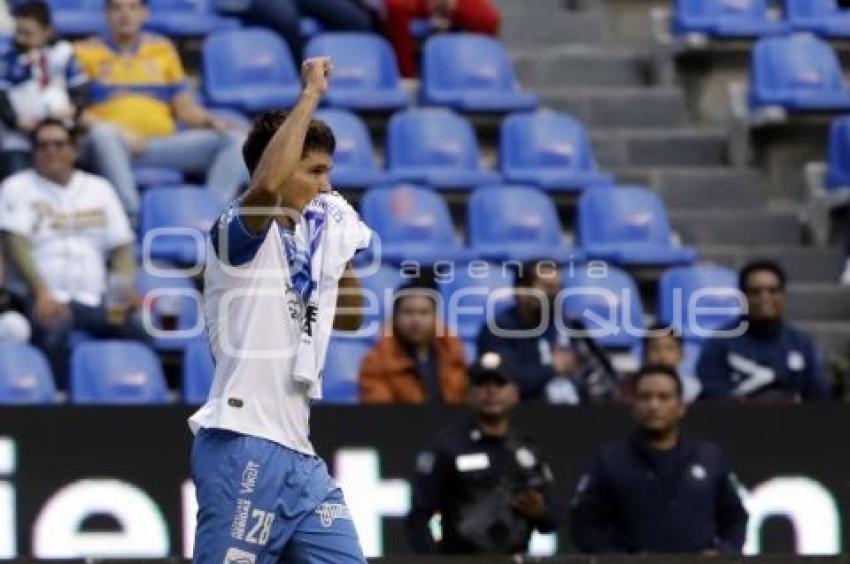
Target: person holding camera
<point>488,482</point>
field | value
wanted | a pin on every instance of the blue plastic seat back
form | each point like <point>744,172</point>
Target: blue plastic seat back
<point>76,5</point>
<point>247,57</point>
<point>408,214</point>
<point>190,7</point>
<point>116,372</point>
<point>795,63</point>
<point>751,9</point>
<point>432,137</point>
<point>179,206</point>
<point>690,299</point>
<point>545,140</point>
<point>166,298</point>
<point>838,154</point>
<point>378,285</point>
<point>198,371</point>
<point>342,369</point>
<point>804,9</point>
<point>472,295</point>
<point>466,61</point>
<point>361,60</point>
<point>510,214</point>
<point>353,143</point>
<point>25,376</point>
<point>607,303</point>
<point>626,214</point>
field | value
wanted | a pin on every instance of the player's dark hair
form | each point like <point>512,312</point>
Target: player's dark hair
<point>657,370</point>
<point>528,272</point>
<point>53,122</point>
<point>659,331</point>
<point>761,265</point>
<point>34,10</point>
<point>319,138</point>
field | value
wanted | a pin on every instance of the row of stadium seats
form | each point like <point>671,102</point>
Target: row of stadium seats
<point>838,155</point>
<point>752,18</point>
<point>117,372</point>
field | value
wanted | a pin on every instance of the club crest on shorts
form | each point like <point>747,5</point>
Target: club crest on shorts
<point>237,556</point>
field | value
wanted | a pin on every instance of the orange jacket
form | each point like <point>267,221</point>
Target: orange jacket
<point>389,375</point>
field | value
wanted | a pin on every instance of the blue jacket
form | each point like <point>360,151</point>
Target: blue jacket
<point>780,360</point>
<point>627,503</point>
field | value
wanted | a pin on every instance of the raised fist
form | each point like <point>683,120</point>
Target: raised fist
<point>316,73</point>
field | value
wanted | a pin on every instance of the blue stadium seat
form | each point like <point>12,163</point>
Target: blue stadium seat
<point>116,372</point>
<point>797,72</point>
<point>187,18</point>
<point>365,76</point>
<point>378,288</point>
<point>550,150</point>
<point>148,176</point>
<point>471,73</point>
<point>470,295</point>
<point>608,305</point>
<point>178,207</point>
<point>25,376</point>
<point>175,307</point>
<point>342,369</point>
<point>823,17</point>
<point>515,223</point>
<point>78,17</point>
<point>250,70</point>
<point>717,287</point>
<point>309,27</point>
<point>628,225</point>
<point>198,371</point>
<point>413,224</point>
<point>436,147</point>
<point>725,18</point>
<point>354,159</point>
<point>838,173</point>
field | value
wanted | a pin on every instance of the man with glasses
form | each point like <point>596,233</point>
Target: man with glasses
<point>771,361</point>
<point>60,227</point>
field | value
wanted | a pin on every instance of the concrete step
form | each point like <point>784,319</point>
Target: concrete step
<point>662,147</point>
<point>619,107</point>
<point>514,7</point>
<point>754,226</point>
<point>801,264</point>
<point>828,335</point>
<point>701,188</point>
<point>579,65</point>
<point>818,302</point>
<point>538,28</point>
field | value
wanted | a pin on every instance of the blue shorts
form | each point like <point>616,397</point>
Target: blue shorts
<point>260,502</point>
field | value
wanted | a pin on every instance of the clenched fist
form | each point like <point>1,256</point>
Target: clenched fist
<point>316,74</point>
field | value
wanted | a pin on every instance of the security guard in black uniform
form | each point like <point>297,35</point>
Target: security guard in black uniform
<point>489,484</point>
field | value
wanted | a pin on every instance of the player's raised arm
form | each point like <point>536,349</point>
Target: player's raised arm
<point>280,159</point>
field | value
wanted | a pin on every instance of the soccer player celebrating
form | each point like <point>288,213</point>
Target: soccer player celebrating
<point>263,495</point>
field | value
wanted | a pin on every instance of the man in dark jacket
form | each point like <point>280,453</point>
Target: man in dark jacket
<point>658,491</point>
<point>772,360</point>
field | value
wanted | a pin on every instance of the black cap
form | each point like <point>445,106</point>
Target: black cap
<point>492,367</point>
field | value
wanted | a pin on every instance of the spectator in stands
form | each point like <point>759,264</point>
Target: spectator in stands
<point>771,360</point>
<point>488,482</point>
<point>552,365</point>
<point>39,78</point>
<point>139,95</point>
<point>478,16</point>
<point>657,491</point>
<point>60,228</point>
<point>419,361</point>
<point>664,347</point>
<point>284,16</point>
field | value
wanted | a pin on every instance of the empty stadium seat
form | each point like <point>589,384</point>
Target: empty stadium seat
<point>116,372</point>
<point>413,224</point>
<point>148,176</point>
<point>628,225</point>
<point>250,70</point>
<point>354,158</point>
<point>25,376</point>
<point>469,296</point>
<point>677,295</point>
<point>365,76</point>
<point>471,73</point>
<point>725,18</point>
<point>198,371</point>
<point>798,72</point>
<point>823,17</point>
<point>608,306</point>
<point>342,368</point>
<point>378,287</point>
<point>838,155</point>
<point>187,18</point>
<point>550,150</point>
<point>78,17</point>
<point>190,210</point>
<point>515,223</point>
<point>437,147</point>
<point>174,306</point>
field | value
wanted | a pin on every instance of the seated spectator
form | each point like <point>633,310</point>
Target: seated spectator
<point>284,16</point>
<point>419,361</point>
<point>60,228</point>
<point>665,348</point>
<point>39,78</point>
<point>478,16</point>
<point>771,360</point>
<point>139,94</point>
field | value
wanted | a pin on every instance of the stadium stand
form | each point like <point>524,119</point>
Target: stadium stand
<point>189,211</point>
<point>148,177</point>
<point>354,160</point>
<point>116,372</point>
<point>169,301</point>
<point>198,370</point>
<point>78,18</point>
<point>823,17</point>
<point>342,369</point>
<point>187,18</point>
<point>725,18</point>
<point>717,302</point>
<point>466,297</point>
<point>25,376</point>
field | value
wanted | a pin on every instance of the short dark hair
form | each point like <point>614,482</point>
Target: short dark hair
<point>52,122</point>
<point>319,138</point>
<point>658,330</point>
<point>35,10</point>
<point>526,274</point>
<point>761,265</point>
<point>657,370</point>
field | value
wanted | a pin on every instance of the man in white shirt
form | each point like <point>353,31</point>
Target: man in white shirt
<point>60,227</point>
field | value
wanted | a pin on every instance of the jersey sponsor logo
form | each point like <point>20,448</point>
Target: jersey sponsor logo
<point>472,462</point>
<point>240,518</point>
<point>330,512</point>
<point>249,478</point>
<point>237,556</point>
<point>748,375</point>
